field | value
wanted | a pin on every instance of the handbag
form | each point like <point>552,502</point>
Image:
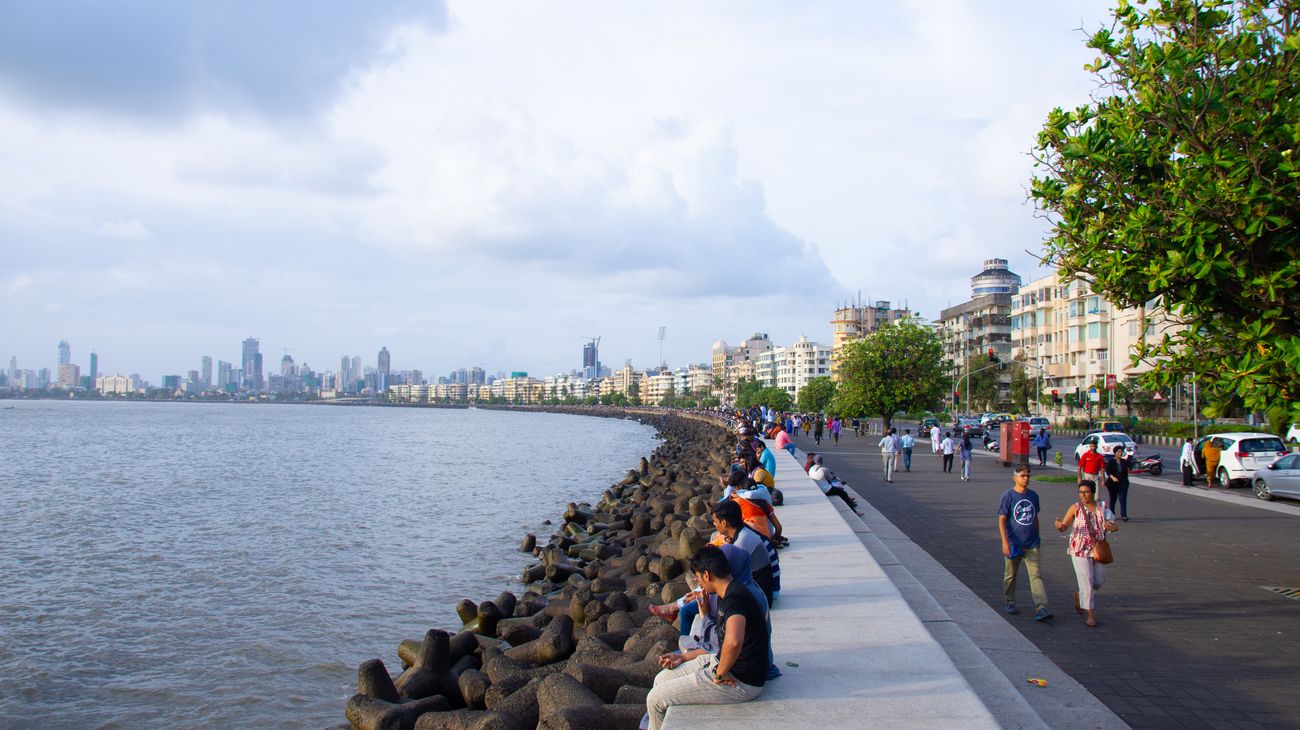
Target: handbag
<point>1100,547</point>
<point>1101,552</point>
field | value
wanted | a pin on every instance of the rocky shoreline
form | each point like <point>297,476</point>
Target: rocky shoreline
<point>579,647</point>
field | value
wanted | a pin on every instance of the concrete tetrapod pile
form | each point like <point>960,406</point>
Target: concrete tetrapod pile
<point>579,648</point>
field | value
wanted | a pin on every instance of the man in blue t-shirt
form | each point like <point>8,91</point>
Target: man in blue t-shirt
<point>1018,525</point>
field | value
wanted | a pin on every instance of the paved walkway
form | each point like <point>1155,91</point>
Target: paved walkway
<point>853,652</point>
<point>1190,635</point>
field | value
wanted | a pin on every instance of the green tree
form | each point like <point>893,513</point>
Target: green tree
<point>816,395</point>
<point>1023,388</point>
<point>774,397</point>
<point>983,383</point>
<point>747,390</point>
<point>1180,187</point>
<point>899,367</point>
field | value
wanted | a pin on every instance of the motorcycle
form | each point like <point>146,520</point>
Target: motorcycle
<point>990,445</point>
<point>1153,465</point>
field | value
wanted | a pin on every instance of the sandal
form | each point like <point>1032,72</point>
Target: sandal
<point>1091,623</point>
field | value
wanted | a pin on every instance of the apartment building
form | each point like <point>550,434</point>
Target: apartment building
<point>1072,338</point>
<point>855,321</point>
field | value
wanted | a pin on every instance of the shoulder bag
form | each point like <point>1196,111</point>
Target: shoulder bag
<point>1101,547</point>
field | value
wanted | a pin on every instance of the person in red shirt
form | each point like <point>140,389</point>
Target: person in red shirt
<point>1091,464</point>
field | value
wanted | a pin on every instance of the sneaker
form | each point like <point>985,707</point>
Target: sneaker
<point>773,673</point>
<point>1043,614</point>
<point>1010,609</point>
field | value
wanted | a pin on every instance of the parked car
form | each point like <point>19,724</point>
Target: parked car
<point>969,426</point>
<point>1279,479</point>
<point>1243,453</point>
<point>1106,443</point>
<point>1039,422</point>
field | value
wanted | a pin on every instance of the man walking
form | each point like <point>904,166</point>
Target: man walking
<point>907,443</point>
<point>817,430</point>
<point>888,452</point>
<point>935,438</point>
<point>1018,526</point>
<point>946,447</point>
<point>1187,460</point>
<point>1091,464</point>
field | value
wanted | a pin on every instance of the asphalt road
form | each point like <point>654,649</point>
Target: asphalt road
<point>1190,635</point>
<point>1066,445</point>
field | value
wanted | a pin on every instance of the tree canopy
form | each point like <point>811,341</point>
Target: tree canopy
<point>899,367</point>
<point>815,396</point>
<point>750,393</point>
<point>1179,188</point>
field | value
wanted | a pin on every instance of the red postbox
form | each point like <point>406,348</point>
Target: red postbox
<point>1013,446</point>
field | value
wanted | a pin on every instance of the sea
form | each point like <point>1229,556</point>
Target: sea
<point>229,565</point>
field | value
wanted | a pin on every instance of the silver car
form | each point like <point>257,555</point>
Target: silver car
<point>1279,479</point>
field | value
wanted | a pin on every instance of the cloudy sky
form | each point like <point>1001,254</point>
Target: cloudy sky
<point>489,183</point>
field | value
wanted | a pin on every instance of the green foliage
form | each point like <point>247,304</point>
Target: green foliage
<point>1180,187</point>
<point>1024,385</point>
<point>816,395</point>
<point>750,393</point>
<point>983,384</point>
<point>899,367</point>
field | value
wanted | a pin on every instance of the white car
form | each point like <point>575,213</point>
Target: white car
<point>1039,422</point>
<point>1293,434</point>
<point>1106,443</point>
<point>1241,455</point>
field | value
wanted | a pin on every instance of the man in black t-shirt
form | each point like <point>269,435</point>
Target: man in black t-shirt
<point>739,669</point>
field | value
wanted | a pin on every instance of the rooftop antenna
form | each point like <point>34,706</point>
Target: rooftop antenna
<point>662,332</point>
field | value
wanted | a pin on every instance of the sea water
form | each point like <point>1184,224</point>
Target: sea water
<point>199,564</point>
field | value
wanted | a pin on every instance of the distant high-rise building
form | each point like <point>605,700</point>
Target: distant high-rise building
<point>385,368</point>
<point>357,374</point>
<point>171,382</point>
<point>287,368</point>
<point>65,352</point>
<point>251,361</point>
<point>226,375</point>
<point>477,376</point>
<point>192,377</point>
<point>13,371</point>
<point>94,368</point>
<point>69,375</point>
<point>205,374</point>
<point>591,359</point>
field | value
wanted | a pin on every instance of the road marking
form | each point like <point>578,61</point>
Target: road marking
<point>1287,592</point>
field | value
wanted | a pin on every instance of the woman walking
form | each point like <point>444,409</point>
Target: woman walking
<point>1089,522</point>
<point>1212,450</point>
<point>966,453</point>
<point>1117,482</point>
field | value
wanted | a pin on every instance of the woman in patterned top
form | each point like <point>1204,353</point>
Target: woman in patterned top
<point>1090,521</point>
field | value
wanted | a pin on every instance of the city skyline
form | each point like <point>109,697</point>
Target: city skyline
<point>392,175</point>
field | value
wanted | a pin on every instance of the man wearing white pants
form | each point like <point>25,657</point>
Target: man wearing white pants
<point>889,453</point>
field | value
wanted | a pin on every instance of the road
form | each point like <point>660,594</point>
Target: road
<point>1190,635</point>
<point>1171,475</point>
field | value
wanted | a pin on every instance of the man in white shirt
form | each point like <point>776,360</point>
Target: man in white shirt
<point>935,439</point>
<point>1188,462</point>
<point>888,453</point>
<point>829,485</point>
<point>946,447</point>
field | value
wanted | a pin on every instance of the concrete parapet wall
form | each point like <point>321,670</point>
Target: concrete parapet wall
<point>852,651</point>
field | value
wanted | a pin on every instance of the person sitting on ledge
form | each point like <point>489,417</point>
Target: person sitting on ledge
<point>738,671</point>
<point>764,564</point>
<point>767,458</point>
<point>830,485</point>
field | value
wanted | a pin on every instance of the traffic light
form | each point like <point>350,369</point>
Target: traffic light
<point>956,397</point>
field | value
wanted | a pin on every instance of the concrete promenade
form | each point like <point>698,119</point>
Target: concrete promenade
<point>853,651</point>
<point>1191,634</point>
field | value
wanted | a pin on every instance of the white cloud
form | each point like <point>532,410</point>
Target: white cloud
<point>533,174</point>
<point>127,230</point>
